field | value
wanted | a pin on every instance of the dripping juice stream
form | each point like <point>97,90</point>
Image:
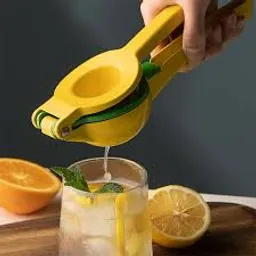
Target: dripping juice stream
<point>107,174</point>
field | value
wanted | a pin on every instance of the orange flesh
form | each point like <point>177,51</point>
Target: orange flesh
<point>27,175</point>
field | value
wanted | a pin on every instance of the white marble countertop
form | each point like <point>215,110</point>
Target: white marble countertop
<point>248,201</point>
<point>52,209</point>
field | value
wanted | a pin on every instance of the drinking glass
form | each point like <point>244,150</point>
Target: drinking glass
<point>109,224</point>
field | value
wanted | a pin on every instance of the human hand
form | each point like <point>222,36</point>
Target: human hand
<point>199,42</point>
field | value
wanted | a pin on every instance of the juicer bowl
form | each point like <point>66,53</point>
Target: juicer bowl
<point>115,131</point>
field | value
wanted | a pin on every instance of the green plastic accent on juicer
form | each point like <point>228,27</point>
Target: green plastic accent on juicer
<point>40,116</point>
<point>150,69</point>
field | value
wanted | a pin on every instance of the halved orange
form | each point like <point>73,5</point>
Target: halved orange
<point>25,187</point>
<point>179,216</point>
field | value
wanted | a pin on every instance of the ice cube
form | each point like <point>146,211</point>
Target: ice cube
<point>70,206</point>
<point>136,201</point>
<point>99,221</point>
<point>77,205</point>
<point>69,245</point>
<point>70,224</point>
<point>99,247</point>
<point>70,220</point>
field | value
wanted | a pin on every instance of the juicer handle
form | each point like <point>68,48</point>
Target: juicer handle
<point>171,58</point>
<point>168,20</point>
<point>152,34</point>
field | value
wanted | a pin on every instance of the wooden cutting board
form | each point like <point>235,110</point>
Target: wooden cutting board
<point>232,233</point>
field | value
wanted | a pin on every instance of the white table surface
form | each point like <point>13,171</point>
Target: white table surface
<point>8,218</point>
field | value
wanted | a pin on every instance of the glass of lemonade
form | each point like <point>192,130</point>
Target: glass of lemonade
<point>109,224</point>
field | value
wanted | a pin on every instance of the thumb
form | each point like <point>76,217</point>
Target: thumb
<point>194,39</point>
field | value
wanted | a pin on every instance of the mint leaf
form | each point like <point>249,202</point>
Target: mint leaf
<point>72,177</point>
<point>58,171</point>
<point>78,181</point>
<point>110,187</point>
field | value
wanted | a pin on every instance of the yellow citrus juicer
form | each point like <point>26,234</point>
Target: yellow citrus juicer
<point>106,100</point>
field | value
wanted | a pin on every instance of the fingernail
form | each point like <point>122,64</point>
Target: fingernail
<point>240,24</point>
<point>232,21</point>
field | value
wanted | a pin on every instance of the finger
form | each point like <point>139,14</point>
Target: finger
<point>213,6</point>
<point>229,26</point>
<point>214,41</point>
<point>231,31</point>
<point>213,35</point>
<point>194,31</point>
<point>240,25</point>
<point>150,9</point>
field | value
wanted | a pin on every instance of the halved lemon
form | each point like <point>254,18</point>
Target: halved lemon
<point>179,216</point>
<point>25,186</point>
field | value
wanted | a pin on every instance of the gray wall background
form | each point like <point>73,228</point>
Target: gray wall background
<point>202,130</point>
